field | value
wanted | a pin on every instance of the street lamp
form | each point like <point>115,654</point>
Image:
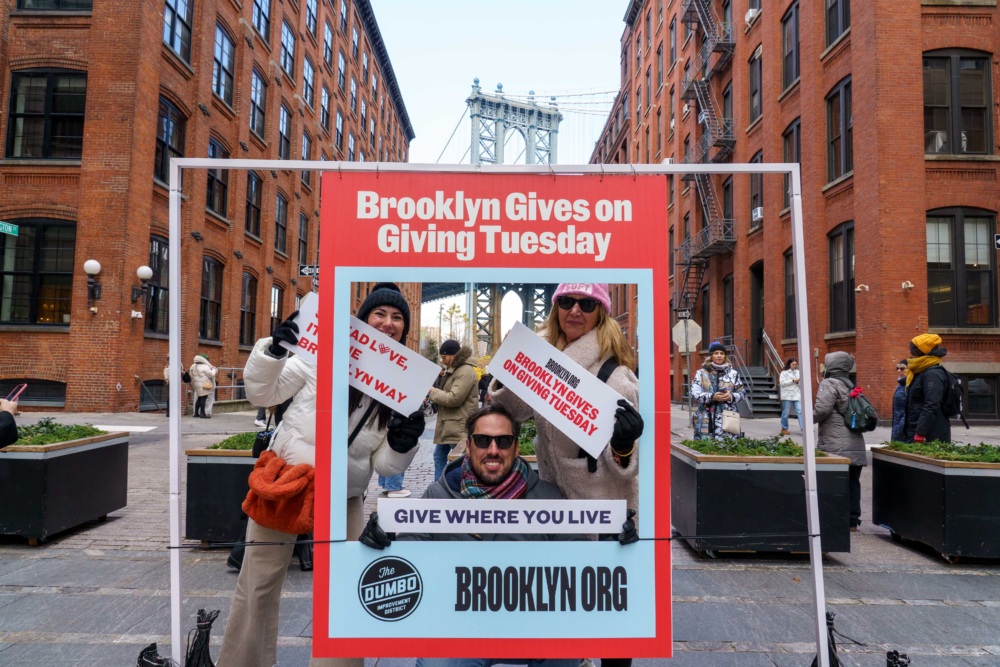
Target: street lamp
<point>143,273</point>
<point>92,267</point>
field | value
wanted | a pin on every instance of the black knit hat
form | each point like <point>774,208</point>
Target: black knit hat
<point>716,345</point>
<point>386,294</point>
<point>450,346</point>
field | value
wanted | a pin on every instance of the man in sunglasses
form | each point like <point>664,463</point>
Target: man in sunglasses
<point>492,468</point>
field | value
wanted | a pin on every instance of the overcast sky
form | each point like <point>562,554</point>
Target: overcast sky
<point>437,48</point>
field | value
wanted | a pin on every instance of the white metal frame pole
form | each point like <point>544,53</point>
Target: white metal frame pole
<point>809,447</point>
<point>801,305</point>
<point>176,399</point>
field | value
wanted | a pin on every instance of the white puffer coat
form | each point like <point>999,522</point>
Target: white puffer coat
<point>202,372</point>
<point>271,381</point>
<point>558,456</point>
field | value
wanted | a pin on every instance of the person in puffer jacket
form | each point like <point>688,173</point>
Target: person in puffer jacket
<point>385,444</point>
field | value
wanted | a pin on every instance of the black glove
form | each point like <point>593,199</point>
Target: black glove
<point>374,537</point>
<point>629,534</point>
<point>287,331</point>
<point>628,427</point>
<point>405,431</point>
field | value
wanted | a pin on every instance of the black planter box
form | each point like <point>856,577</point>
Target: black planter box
<point>951,506</point>
<point>47,489</point>
<point>216,488</point>
<point>757,498</point>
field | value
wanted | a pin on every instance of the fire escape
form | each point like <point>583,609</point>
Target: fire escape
<point>716,145</point>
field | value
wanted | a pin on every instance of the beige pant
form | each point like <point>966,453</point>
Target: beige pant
<point>251,638</point>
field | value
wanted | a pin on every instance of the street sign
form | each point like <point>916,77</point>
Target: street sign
<point>309,270</point>
<point>689,340</point>
<point>7,228</point>
<point>683,313</point>
<point>996,241</point>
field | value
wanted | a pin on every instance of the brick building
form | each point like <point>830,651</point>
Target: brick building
<point>98,95</point>
<point>900,207</point>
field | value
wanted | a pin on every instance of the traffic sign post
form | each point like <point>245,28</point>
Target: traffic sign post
<point>309,270</point>
<point>7,228</point>
<point>687,334</point>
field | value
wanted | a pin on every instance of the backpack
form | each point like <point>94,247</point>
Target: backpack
<point>860,415</point>
<point>951,404</point>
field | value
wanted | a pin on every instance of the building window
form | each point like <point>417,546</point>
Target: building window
<point>790,46</point>
<point>727,306</point>
<point>340,130</point>
<point>364,67</point>
<point>649,83</point>
<point>649,28</point>
<point>308,82</point>
<point>169,138</point>
<point>306,155</point>
<point>324,109</point>
<point>638,107</point>
<point>659,131</point>
<point>328,44</point>
<point>311,17</point>
<point>727,101</point>
<point>671,251</point>
<point>659,66</point>
<point>281,224</point>
<point>157,294</point>
<point>838,19</point>
<point>727,199</point>
<point>638,52</point>
<point>287,49</point>
<point>364,115</point>
<point>375,89</point>
<point>791,151</point>
<point>343,16</point>
<point>46,115</point>
<point>839,131</point>
<point>284,133</point>
<point>255,196</point>
<point>371,131</point>
<point>177,26</point>
<point>961,268</point>
<point>222,66</point>
<point>354,43</point>
<point>261,18</point>
<point>46,393</point>
<point>755,83</point>
<point>217,193</point>
<point>56,5</point>
<point>981,395</point>
<point>670,190</point>
<point>211,299</point>
<point>36,272</point>
<point>277,299</point>
<point>842,278</point>
<point>341,65</point>
<point>673,106</point>
<point>791,325</point>
<point>303,238</point>
<point>756,192</point>
<point>706,321</point>
<point>673,41</point>
<point>957,103</point>
<point>354,95</point>
<point>258,102</point>
<point>248,310</point>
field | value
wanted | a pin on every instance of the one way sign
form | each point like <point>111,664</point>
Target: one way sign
<point>309,270</point>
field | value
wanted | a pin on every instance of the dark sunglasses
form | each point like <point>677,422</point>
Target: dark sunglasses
<point>482,441</point>
<point>567,303</point>
<point>900,368</point>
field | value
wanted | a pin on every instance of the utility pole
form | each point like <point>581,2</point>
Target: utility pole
<point>440,324</point>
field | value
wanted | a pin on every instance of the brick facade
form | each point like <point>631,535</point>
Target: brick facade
<point>887,195</point>
<point>115,205</point>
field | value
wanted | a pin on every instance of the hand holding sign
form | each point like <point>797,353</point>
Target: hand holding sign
<point>286,332</point>
<point>628,428</point>
<point>404,433</point>
<point>388,372</point>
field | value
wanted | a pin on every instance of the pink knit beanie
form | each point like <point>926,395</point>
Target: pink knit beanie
<point>596,291</point>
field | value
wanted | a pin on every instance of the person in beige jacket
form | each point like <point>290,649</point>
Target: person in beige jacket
<point>457,398</point>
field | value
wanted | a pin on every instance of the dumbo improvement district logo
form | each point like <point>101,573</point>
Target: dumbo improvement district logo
<point>390,588</point>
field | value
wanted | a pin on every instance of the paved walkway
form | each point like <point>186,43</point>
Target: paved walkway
<point>98,594</point>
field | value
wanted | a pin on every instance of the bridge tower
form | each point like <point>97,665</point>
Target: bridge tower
<point>494,116</point>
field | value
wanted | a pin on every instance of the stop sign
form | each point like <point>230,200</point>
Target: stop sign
<point>693,336</point>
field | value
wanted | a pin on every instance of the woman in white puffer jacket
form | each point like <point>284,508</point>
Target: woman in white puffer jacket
<point>385,444</point>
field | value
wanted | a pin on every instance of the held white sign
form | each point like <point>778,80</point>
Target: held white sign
<point>308,321</point>
<point>551,517</point>
<point>562,391</point>
<point>387,371</point>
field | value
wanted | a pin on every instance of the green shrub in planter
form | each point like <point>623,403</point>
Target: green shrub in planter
<point>240,441</point>
<point>746,447</point>
<point>47,432</point>
<point>949,451</point>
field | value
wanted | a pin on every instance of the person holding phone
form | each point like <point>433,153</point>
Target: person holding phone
<point>8,408</point>
<point>716,387</point>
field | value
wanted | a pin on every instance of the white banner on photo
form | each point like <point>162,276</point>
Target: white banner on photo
<point>308,321</point>
<point>477,515</point>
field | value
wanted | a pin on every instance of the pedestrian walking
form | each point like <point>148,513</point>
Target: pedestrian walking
<point>202,382</point>
<point>717,387</point>
<point>899,404</point>
<point>456,398</point>
<point>926,389</point>
<point>791,394</point>
<point>834,436</point>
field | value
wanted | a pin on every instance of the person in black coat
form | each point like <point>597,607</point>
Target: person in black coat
<point>899,404</point>
<point>926,389</point>
<point>8,428</point>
